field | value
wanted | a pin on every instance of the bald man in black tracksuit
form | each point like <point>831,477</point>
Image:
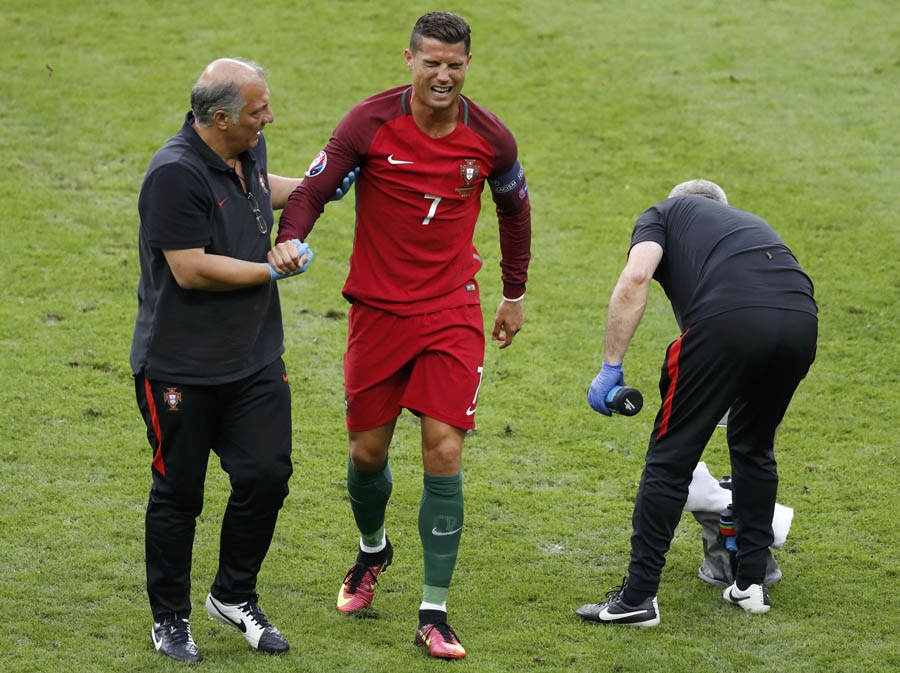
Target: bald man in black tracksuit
<point>749,326</point>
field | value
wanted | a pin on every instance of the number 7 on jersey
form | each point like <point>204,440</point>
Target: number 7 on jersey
<point>435,200</point>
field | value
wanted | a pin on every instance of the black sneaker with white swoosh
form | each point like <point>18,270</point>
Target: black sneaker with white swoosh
<point>251,621</point>
<point>614,610</point>
<point>172,637</point>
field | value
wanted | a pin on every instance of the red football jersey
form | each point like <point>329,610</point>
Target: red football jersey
<point>418,199</point>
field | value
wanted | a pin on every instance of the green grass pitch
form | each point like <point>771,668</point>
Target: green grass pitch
<point>791,105</point>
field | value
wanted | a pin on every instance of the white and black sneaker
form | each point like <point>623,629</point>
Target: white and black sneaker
<point>614,610</point>
<point>172,637</point>
<point>754,599</point>
<point>250,620</point>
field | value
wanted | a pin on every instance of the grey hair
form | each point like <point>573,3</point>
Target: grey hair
<point>700,187</point>
<point>210,94</point>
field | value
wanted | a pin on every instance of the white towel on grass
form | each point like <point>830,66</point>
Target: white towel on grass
<point>705,495</point>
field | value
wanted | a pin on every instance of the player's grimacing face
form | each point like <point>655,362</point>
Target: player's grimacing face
<point>438,71</point>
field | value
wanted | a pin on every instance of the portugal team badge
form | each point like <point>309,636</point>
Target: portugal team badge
<point>173,399</point>
<point>469,170</point>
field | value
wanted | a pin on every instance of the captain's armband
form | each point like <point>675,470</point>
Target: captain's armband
<point>511,181</point>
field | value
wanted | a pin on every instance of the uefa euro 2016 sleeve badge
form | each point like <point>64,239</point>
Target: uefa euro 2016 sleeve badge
<point>173,399</point>
<point>318,165</point>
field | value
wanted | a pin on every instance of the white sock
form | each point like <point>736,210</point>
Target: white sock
<point>434,606</point>
<point>377,548</point>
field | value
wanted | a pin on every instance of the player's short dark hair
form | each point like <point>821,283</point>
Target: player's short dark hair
<point>444,27</point>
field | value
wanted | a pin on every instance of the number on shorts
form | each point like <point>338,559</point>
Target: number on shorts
<point>471,409</point>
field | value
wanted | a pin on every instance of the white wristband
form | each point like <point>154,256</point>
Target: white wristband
<point>514,300</point>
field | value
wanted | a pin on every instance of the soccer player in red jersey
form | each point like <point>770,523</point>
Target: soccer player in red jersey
<point>416,336</point>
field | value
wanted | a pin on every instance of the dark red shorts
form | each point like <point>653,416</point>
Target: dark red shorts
<point>430,364</point>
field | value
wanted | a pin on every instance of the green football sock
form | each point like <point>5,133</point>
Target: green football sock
<point>369,493</point>
<point>436,596</point>
<point>440,527</point>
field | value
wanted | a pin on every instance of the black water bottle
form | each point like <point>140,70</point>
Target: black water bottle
<point>625,401</point>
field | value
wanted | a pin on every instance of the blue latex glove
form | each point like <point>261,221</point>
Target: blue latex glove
<point>341,191</point>
<point>302,249</point>
<point>609,377</point>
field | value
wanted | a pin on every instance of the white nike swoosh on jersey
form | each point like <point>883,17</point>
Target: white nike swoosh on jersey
<point>618,615</point>
<point>470,411</point>
<point>392,160</point>
<point>435,531</point>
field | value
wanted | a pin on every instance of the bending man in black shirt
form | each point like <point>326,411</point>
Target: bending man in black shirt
<point>748,322</point>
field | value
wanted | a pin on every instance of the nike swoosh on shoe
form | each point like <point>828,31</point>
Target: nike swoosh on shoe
<point>604,613</point>
<point>240,625</point>
<point>735,599</point>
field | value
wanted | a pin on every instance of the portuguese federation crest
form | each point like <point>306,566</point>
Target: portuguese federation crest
<point>469,171</point>
<point>173,399</point>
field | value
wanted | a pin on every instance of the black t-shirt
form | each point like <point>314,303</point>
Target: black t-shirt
<point>717,258</point>
<point>191,198</point>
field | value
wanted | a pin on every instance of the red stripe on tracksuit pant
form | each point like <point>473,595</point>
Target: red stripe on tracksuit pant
<point>154,422</point>
<point>749,361</point>
<point>672,370</point>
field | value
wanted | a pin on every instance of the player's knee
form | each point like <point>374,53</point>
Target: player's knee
<point>443,458</point>
<point>367,457</point>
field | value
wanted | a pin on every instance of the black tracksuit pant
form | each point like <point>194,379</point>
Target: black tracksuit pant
<point>749,361</point>
<point>248,424</point>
